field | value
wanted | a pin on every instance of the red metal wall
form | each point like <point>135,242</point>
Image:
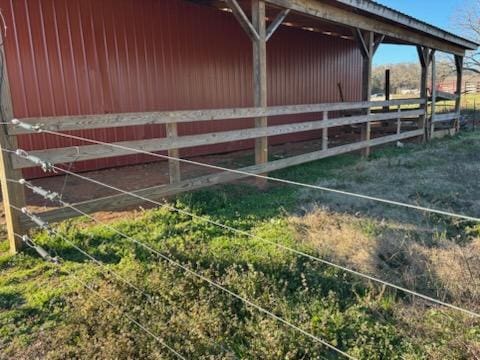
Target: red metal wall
<point>107,56</point>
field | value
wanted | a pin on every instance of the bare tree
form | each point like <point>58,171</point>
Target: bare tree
<point>467,20</point>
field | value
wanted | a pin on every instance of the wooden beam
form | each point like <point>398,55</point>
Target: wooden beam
<point>434,94</point>
<point>82,122</point>
<point>12,193</point>
<point>276,23</point>
<point>90,152</point>
<point>374,9</point>
<point>366,43</point>
<point>367,83</point>
<point>445,117</point>
<point>243,19</point>
<point>325,11</point>
<point>459,69</point>
<point>122,201</point>
<point>260,77</point>
<point>442,95</point>
<point>423,55</point>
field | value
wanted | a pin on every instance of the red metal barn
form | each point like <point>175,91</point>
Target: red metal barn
<point>198,77</point>
<point>69,57</point>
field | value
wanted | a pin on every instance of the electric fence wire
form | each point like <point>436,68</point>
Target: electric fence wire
<point>52,196</point>
<point>256,237</point>
<point>440,212</point>
<point>38,128</point>
<point>32,245</point>
<point>279,245</point>
<point>52,232</point>
<point>58,197</point>
<point>222,288</point>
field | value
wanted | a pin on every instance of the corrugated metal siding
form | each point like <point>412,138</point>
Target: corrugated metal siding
<point>69,57</point>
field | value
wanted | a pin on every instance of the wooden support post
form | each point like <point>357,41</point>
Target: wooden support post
<point>260,76</point>
<point>424,57</point>
<point>12,193</point>
<point>325,132</point>
<point>173,165</point>
<point>367,46</point>
<point>434,94</point>
<point>459,68</point>
<point>258,34</point>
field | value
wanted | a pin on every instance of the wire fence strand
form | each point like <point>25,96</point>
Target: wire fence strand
<point>128,317</point>
<point>235,295</point>
<point>284,247</point>
<point>265,177</point>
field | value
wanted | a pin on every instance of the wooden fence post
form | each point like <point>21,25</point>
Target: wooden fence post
<point>256,29</point>
<point>459,68</point>
<point>387,89</point>
<point>399,120</point>
<point>12,193</point>
<point>423,55</point>
<point>173,165</point>
<point>367,86</point>
<point>325,132</point>
<point>434,94</point>
<point>260,76</point>
<point>368,43</point>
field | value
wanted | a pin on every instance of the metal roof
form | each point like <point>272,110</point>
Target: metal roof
<point>374,8</point>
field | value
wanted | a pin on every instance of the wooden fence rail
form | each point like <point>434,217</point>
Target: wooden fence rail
<point>403,109</point>
<point>445,117</point>
<point>121,201</point>
<point>82,122</point>
<point>90,152</point>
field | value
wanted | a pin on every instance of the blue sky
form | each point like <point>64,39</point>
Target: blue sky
<point>426,10</point>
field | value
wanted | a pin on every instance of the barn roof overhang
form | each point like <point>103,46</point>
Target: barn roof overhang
<point>339,17</point>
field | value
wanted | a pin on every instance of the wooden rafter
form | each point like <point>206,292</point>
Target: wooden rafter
<point>325,11</point>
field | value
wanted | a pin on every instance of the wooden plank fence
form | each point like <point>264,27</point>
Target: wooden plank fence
<point>173,142</point>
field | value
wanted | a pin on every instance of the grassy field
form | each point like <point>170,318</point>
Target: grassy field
<point>45,313</point>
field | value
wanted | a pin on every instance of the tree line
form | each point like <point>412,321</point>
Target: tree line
<point>406,76</point>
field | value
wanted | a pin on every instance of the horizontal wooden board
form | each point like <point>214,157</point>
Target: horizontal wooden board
<point>445,117</point>
<point>438,134</point>
<point>443,95</point>
<point>89,152</point>
<point>122,201</point>
<point>85,122</point>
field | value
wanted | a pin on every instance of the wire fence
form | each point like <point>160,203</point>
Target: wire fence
<point>187,270</point>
